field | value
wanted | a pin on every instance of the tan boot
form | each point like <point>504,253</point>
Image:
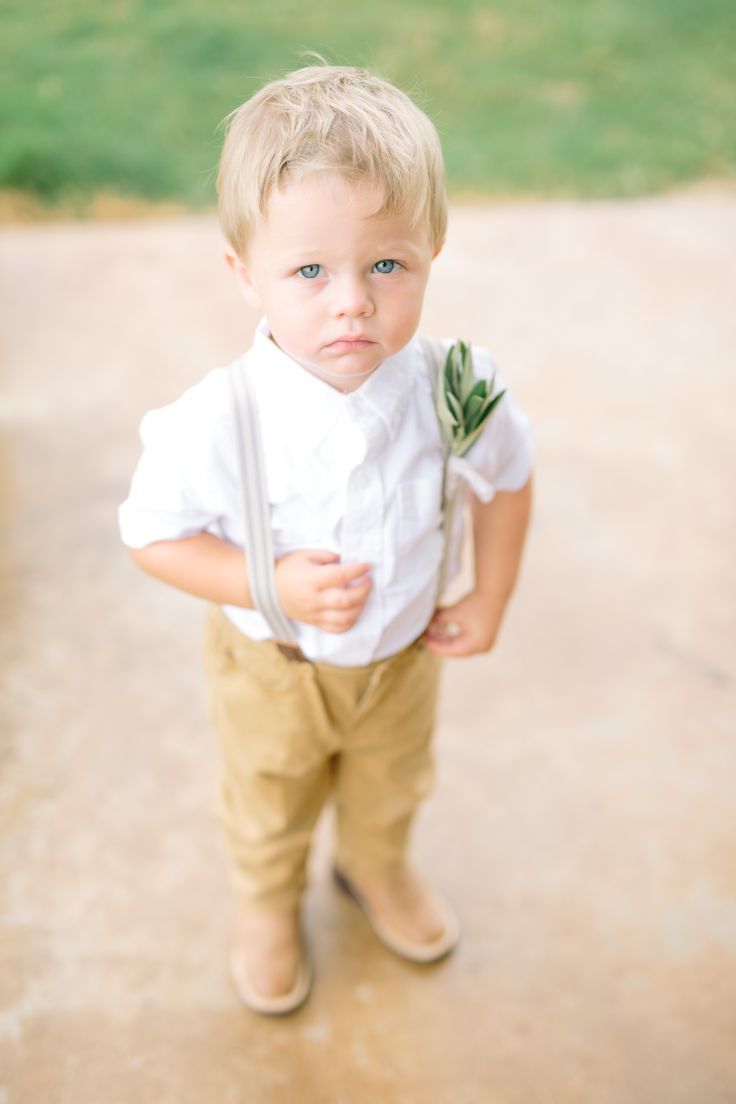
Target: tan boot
<point>268,964</point>
<point>405,915</point>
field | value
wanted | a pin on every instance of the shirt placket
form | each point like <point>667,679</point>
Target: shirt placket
<point>364,518</point>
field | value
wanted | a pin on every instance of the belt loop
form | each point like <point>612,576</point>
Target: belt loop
<point>292,652</point>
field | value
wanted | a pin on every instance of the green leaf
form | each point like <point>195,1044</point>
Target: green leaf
<point>456,409</point>
<point>472,411</point>
<point>456,371</point>
<point>448,369</point>
<point>492,402</point>
<point>444,414</point>
<point>479,389</point>
<point>463,402</point>
<point>467,362</point>
<point>472,436</point>
<point>467,442</point>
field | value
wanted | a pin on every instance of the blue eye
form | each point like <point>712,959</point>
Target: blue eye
<point>386,267</point>
<point>309,272</point>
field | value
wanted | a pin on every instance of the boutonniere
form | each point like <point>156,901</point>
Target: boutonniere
<point>464,404</point>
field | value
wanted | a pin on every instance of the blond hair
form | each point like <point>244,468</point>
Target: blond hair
<point>338,119</point>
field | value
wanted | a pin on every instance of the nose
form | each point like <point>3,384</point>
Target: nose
<point>351,298</point>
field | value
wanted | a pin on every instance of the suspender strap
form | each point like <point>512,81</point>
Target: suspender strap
<point>436,354</point>
<point>256,510</point>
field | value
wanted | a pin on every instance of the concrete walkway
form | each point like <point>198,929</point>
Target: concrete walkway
<point>585,816</point>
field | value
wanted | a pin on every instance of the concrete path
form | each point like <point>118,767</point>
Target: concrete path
<point>585,815</point>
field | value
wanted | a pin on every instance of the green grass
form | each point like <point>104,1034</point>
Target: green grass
<point>552,97</point>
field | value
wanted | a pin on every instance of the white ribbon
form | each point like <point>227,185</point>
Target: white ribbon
<point>459,471</point>
<point>459,476</point>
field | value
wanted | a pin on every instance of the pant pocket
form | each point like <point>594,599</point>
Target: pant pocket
<point>266,709</point>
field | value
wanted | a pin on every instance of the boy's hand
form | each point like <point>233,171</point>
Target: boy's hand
<point>467,628</point>
<point>316,588</point>
<point>499,527</point>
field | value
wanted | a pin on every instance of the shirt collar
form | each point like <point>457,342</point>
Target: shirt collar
<point>291,395</point>
<point>299,397</point>
<point>384,396</point>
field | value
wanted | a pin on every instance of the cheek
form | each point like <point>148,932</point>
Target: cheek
<point>278,304</point>
<point>291,319</point>
<point>406,308</point>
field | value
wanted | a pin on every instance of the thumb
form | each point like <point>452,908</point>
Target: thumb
<point>444,627</point>
<point>321,556</point>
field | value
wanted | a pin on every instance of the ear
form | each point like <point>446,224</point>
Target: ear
<point>244,278</point>
<point>439,249</point>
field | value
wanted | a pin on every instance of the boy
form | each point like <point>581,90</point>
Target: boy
<point>332,199</point>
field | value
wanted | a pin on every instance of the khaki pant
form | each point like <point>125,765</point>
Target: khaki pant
<point>293,734</point>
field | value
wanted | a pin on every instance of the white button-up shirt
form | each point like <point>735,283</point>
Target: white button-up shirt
<point>358,474</point>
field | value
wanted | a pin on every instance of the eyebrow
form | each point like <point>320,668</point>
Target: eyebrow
<point>382,250</point>
<point>406,245</point>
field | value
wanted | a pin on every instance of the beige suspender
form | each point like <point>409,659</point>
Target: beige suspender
<point>256,510</point>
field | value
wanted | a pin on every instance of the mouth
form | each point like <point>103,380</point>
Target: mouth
<point>350,343</point>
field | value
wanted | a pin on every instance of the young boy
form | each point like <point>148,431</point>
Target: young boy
<point>332,199</point>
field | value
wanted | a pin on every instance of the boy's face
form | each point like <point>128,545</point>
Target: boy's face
<point>341,287</point>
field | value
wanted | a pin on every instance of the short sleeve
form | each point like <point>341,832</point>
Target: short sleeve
<point>503,455</point>
<point>181,483</point>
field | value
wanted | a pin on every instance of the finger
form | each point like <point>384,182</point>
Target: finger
<point>445,613</point>
<point>462,646</point>
<point>335,622</point>
<point>345,598</point>
<point>340,620</point>
<point>341,575</point>
<point>321,556</point>
<point>444,628</point>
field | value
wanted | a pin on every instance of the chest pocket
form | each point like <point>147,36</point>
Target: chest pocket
<point>420,513</point>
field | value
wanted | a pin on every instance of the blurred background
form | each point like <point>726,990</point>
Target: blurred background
<point>584,820</point>
<point>100,102</point>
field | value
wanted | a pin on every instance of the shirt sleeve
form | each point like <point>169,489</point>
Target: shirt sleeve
<point>503,455</point>
<point>179,487</point>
